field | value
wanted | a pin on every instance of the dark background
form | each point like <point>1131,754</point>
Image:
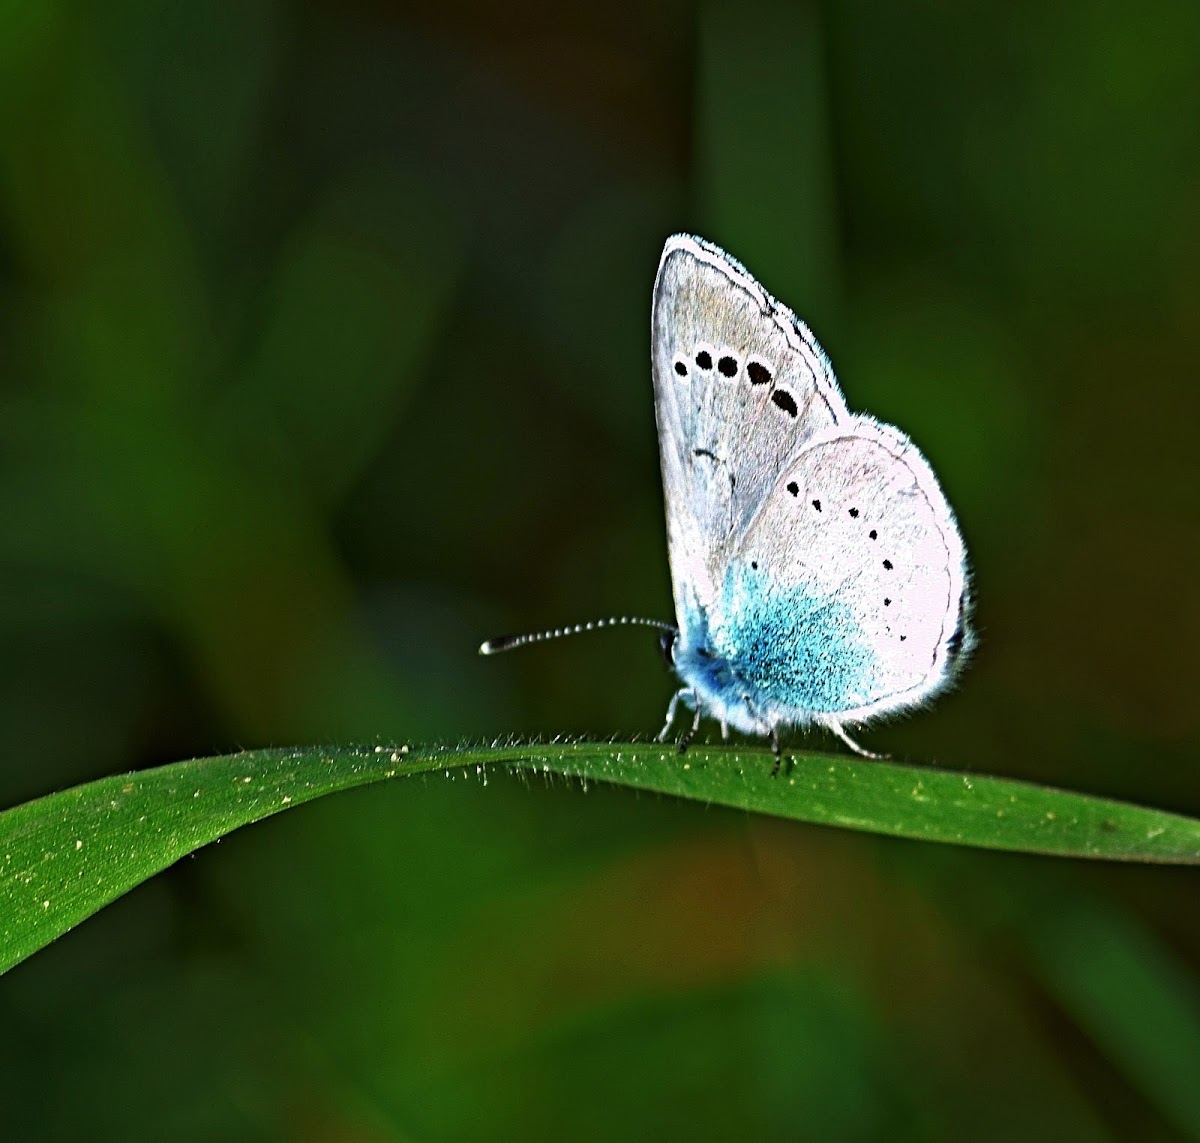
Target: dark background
<point>324,354</point>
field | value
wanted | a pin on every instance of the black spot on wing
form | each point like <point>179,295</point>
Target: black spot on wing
<point>785,401</point>
<point>758,373</point>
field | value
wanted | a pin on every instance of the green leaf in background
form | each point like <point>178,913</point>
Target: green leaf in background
<point>1129,992</point>
<point>66,855</point>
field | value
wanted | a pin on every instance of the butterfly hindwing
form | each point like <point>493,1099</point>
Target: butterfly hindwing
<point>845,595</point>
<point>740,386</point>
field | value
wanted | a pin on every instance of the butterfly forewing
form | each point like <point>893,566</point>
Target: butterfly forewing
<point>740,387</point>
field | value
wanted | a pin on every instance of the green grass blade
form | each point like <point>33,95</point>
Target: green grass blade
<point>66,855</point>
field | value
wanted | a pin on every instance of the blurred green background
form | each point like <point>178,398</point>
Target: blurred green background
<point>324,354</point>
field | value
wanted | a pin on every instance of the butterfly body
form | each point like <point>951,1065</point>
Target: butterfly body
<point>818,572</point>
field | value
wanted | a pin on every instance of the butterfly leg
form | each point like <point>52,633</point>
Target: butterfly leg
<point>672,710</point>
<point>777,750</point>
<point>672,707</point>
<point>835,726</point>
<point>690,733</point>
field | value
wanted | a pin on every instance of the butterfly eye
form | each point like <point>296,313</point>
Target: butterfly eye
<point>666,644</point>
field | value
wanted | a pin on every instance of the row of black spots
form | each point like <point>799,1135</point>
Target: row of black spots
<point>727,366</point>
<point>758,373</point>
<point>794,489</point>
<point>886,602</point>
<point>888,566</point>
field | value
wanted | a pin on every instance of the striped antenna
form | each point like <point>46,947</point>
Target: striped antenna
<point>508,642</point>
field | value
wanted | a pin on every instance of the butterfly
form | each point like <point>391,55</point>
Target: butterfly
<point>818,572</point>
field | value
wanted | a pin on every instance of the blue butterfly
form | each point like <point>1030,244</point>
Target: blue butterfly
<point>818,572</point>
